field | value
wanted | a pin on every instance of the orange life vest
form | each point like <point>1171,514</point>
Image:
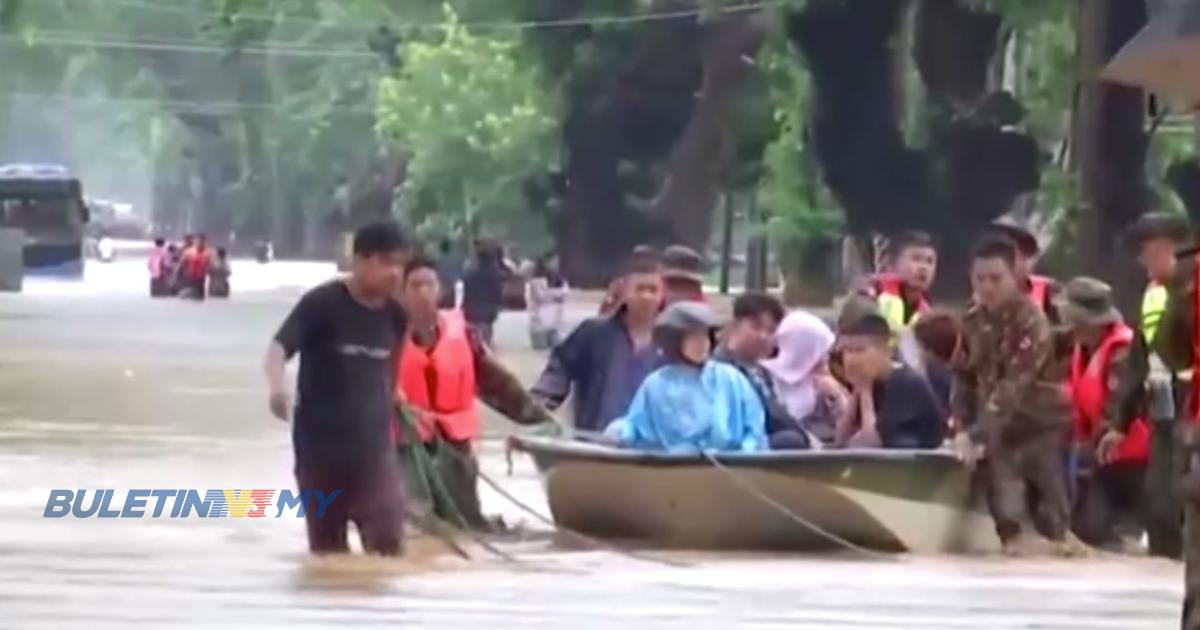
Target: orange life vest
<point>1089,390</point>
<point>441,380</point>
<point>1039,290</point>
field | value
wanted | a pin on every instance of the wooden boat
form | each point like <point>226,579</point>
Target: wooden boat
<point>889,500</point>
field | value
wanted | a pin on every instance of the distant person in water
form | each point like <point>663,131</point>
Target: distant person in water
<point>483,289</point>
<point>158,266</point>
<point>547,301</point>
<point>692,403</point>
<point>346,332</point>
<point>218,275</point>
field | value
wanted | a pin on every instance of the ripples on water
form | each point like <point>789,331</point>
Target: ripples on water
<point>101,388</point>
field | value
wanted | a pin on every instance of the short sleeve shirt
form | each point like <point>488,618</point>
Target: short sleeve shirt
<point>346,381</point>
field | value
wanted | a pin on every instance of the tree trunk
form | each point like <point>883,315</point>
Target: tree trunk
<point>1111,143</point>
<point>701,156</point>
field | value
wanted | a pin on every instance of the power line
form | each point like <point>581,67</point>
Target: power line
<point>177,105</point>
<point>171,41</point>
<point>496,25</point>
<point>333,53</point>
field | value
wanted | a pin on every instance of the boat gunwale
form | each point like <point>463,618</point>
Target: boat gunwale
<point>589,451</point>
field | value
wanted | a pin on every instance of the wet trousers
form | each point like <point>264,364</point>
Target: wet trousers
<point>1017,466</point>
<point>457,469</point>
<point>1107,499</point>
<point>1189,491</point>
<point>371,497</point>
<point>1164,509</point>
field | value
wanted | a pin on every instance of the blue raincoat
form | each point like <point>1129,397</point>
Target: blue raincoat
<point>682,409</point>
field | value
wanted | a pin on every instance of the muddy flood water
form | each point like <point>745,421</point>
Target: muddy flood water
<point>103,388</point>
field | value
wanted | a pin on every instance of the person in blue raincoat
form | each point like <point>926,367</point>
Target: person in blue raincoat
<point>691,403</point>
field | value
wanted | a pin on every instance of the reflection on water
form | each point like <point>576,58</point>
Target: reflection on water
<point>101,388</point>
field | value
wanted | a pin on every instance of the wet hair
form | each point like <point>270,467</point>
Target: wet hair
<point>417,263</point>
<point>754,304</point>
<point>908,239</point>
<point>872,326</point>
<point>384,237</point>
<point>159,241</point>
<point>996,247</point>
<point>221,253</point>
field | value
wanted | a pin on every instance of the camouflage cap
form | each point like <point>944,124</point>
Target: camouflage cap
<point>1088,302</point>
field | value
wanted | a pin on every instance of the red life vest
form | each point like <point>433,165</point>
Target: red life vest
<point>1089,391</point>
<point>1194,396</point>
<point>889,284</point>
<point>1039,290</point>
<point>441,380</point>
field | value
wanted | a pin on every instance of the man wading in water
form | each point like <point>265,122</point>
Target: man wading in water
<point>346,332</point>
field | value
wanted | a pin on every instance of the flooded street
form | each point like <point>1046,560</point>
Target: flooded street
<point>103,388</point>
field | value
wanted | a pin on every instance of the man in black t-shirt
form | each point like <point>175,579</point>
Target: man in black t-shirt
<point>892,404</point>
<point>346,332</point>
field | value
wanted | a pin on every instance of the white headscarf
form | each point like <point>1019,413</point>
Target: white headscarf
<point>804,343</point>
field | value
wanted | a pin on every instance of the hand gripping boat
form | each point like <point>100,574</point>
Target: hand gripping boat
<point>888,500</point>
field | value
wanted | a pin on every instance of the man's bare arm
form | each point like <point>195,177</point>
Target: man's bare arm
<point>275,369</point>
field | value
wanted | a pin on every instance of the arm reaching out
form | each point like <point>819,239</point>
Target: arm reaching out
<point>274,367</point>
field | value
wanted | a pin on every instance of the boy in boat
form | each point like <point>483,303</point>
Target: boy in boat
<point>1009,402</point>
<point>606,358</point>
<point>1156,237</point>
<point>441,368</point>
<point>749,341</point>
<point>691,403</point>
<point>892,405</point>
<point>1110,451</point>
<point>347,332</point>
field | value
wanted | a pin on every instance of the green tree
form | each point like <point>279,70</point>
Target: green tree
<point>470,115</point>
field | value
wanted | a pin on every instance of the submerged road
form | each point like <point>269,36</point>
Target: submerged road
<point>103,388</point>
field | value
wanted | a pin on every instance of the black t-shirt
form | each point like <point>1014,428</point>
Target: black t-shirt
<point>907,414</point>
<point>344,389</point>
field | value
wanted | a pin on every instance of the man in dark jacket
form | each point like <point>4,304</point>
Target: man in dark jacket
<point>606,358</point>
<point>483,289</point>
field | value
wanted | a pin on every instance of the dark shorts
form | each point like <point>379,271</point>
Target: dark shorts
<point>372,497</point>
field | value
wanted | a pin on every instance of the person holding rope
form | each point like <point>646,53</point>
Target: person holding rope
<point>443,366</point>
<point>346,332</point>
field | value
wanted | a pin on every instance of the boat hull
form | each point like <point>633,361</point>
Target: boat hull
<point>885,500</point>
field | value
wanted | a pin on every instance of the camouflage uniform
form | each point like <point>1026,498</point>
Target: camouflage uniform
<point>1008,393</point>
<point>1174,343</point>
<point>455,462</point>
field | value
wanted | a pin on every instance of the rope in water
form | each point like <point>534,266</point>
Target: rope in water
<point>427,472</point>
<point>579,536</point>
<point>749,487</point>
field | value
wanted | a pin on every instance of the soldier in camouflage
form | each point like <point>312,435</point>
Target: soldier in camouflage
<point>1176,343</point>
<point>1008,402</point>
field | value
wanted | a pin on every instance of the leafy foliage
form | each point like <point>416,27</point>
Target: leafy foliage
<point>472,120</point>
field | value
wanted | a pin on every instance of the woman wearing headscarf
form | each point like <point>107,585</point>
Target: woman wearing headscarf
<point>692,402</point>
<point>800,371</point>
